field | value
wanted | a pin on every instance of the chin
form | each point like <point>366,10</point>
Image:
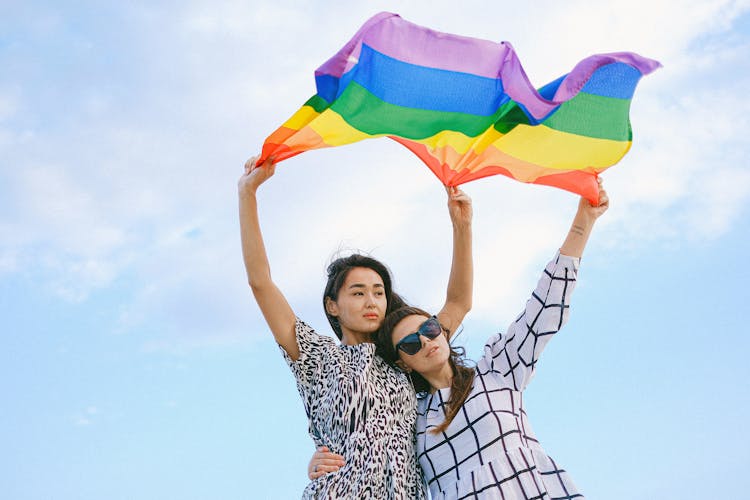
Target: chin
<point>369,328</point>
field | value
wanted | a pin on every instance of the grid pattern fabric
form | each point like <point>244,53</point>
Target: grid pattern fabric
<point>360,407</point>
<point>489,450</point>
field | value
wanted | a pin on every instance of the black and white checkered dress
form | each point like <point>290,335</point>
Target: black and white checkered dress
<point>360,407</point>
<point>489,450</point>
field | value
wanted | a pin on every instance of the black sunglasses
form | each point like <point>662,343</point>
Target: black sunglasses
<point>411,344</point>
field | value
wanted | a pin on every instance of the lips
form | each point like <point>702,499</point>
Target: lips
<point>371,316</point>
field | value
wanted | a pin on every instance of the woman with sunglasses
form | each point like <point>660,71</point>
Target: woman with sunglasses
<point>358,406</point>
<point>473,436</point>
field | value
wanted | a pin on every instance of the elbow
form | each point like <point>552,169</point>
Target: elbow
<point>463,306</point>
<point>460,304</point>
<point>259,286</point>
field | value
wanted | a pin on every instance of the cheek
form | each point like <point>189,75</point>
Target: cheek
<point>408,361</point>
<point>445,345</point>
<point>347,305</point>
<point>446,354</point>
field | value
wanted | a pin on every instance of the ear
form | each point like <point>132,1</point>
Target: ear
<point>331,307</point>
<point>403,366</point>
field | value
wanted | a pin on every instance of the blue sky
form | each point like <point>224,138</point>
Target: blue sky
<point>134,362</point>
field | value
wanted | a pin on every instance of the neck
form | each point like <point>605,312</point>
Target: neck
<point>349,337</point>
<point>441,377</point>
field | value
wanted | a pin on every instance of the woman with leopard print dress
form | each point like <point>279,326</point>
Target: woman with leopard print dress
<point>357,405</point>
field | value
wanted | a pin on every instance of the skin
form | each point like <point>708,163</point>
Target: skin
<point>432,360</point>
<point>354,311</point>
<point>274,306</point>
<point>360,304</point>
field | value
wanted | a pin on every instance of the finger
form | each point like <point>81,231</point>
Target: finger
<point>327,468</point>
<point>603,198</point>
<point>322,470</point>
<point>250,164</point>
<point>318,461</point>
<point>329,462</point>
<point>325,455</point>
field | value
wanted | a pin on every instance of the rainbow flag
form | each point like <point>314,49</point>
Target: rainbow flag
<point>466,107</point>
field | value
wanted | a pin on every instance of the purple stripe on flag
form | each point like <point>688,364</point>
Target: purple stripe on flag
<point>407,42</point>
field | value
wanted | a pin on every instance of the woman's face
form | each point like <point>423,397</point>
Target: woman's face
<point>434,353</point>
<point>361,303</point>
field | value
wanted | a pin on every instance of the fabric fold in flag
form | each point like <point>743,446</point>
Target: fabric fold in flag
<point>466,108</point>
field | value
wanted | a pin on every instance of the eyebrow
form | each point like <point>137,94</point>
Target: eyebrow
<point>362,285</point>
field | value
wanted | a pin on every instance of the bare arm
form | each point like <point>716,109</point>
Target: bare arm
<point>461,281</point>
<point>583,223</point>
<point>272,303</point>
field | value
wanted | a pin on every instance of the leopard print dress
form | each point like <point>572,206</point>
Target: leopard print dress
<point>363,409</point>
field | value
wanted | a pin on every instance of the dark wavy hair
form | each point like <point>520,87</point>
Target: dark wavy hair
<point>463,374</point>
<point>337,272</point>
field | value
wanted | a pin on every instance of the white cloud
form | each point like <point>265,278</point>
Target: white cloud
<point>87,417</point>
<point>141,184</point>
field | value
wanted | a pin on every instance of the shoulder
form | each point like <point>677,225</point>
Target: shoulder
<point>307,334</point>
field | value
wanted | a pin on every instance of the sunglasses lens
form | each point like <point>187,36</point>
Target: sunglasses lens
<point>411,347</point>
<point>430,328</point>
<point>411,344</point>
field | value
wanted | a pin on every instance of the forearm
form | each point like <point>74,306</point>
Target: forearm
<point>578,235</point>
<point>253,248</point>
<point>461,280</point>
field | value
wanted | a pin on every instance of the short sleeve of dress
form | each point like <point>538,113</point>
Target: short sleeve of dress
<point>514,354</point>
<point>313,350</point>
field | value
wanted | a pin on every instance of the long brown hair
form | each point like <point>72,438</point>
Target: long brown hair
<point>463,375</point>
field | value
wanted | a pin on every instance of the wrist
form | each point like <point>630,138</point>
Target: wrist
<point>584,218</point>
<point>247,193</point>
<point>460,226</point>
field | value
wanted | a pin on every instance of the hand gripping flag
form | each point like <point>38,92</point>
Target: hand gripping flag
<point>466,107</point>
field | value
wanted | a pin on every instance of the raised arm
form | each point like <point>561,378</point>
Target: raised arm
<point>515,353</point>
<point>461,281</point>
<point>583,222</point>
<point>272,303</point>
